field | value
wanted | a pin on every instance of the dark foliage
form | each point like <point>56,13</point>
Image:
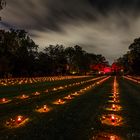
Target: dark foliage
<point>19,56</point>
<point>131,60</point>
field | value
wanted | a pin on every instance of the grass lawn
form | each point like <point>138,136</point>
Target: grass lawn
<point>78,119</point>
<point>39,120</point>
<point>130,98</point>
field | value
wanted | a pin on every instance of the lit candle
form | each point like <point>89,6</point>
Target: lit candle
<point>112,138</point>
<point>23,96</point>
<point>3,100</point>
<point>113,106</point>
<point>19,119</point>
<point>113,118</point>
<point>45,107</point>
<point>59,101</point>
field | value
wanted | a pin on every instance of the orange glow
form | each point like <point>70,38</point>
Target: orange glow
<point>59,102</point>
<point>113,107</point>
<point>61,87</point>
<point>4,100</point>
<point>75,94</point>
<point>23,96</point>
<point>112,119</point>
<point>16,122</point>
<point>46,90</point>
<point>131,79</point>
<point>19,119</point>
<point>68,97</point>
<point>106,136</point>
<point>54,89</point>
<point>43,109</point>
<point>36,93</point>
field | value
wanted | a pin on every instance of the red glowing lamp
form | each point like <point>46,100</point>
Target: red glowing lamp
<point>37,93</point>
<point>45,107</point>
<point>59,101</point>
<point>16,122</point>
<point>19,119</point>
<point>23,96</point>
<point>113,119</point>
<point>113,106</point>
<point>3,99</point>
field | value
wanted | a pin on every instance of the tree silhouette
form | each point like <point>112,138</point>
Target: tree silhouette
<point>131,60</point>
<point>19,56</point>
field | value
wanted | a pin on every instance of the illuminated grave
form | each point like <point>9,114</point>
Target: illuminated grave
<point>4,101</point>
<point>81,91</point>
<point>114,96</point>
<point>114,100</point>
<point>23,96</point>
<point>113,107</point>
<point>43,109</point>
<point>69,97</point>
<point>59,102</point>
<point>54,89</point>
<point>16,122</point>
<point>75,94</point>
<point>61,87</point>
<point>106,136</point>
<point>112,119</point>
<point>46,91</point>
<point>36,93</point>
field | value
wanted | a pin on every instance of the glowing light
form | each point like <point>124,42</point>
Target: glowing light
<point>132,79</point>
<point>19,119</point>
<point>4,100</point>
<point>112,119</point>
<point>75,94</point>
<point>106,136</point>
<point>36,93</point>
<point>59,101</point>
<point>113,107</point>
<point>68,97</point>
<point>19,81</point>
<point>61,87</point>
<point>46,91</point>
<point>16,122</point>
<point>23,96</point>
<point>43,109</point>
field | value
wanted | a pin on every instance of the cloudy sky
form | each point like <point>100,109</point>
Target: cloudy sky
<point>100,26</point>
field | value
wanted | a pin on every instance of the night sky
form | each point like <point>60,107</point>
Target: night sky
<point>99,26</point>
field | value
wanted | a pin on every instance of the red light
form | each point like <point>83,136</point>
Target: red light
<point>3,100</point>
<point>45,107</point>
<point>59,101</point>
<point>19,119</point>
<point>113,118</point>
<point>113,106</point>
<point>107,70</point>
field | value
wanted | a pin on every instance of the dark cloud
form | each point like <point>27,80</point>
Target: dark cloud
<point>100,26</point>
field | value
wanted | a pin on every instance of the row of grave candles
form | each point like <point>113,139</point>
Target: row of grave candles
<point>19,81</point>
<point>24,96</point>
<point>111,119</point>
<point>21,120</point>
<point>132,79</point>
